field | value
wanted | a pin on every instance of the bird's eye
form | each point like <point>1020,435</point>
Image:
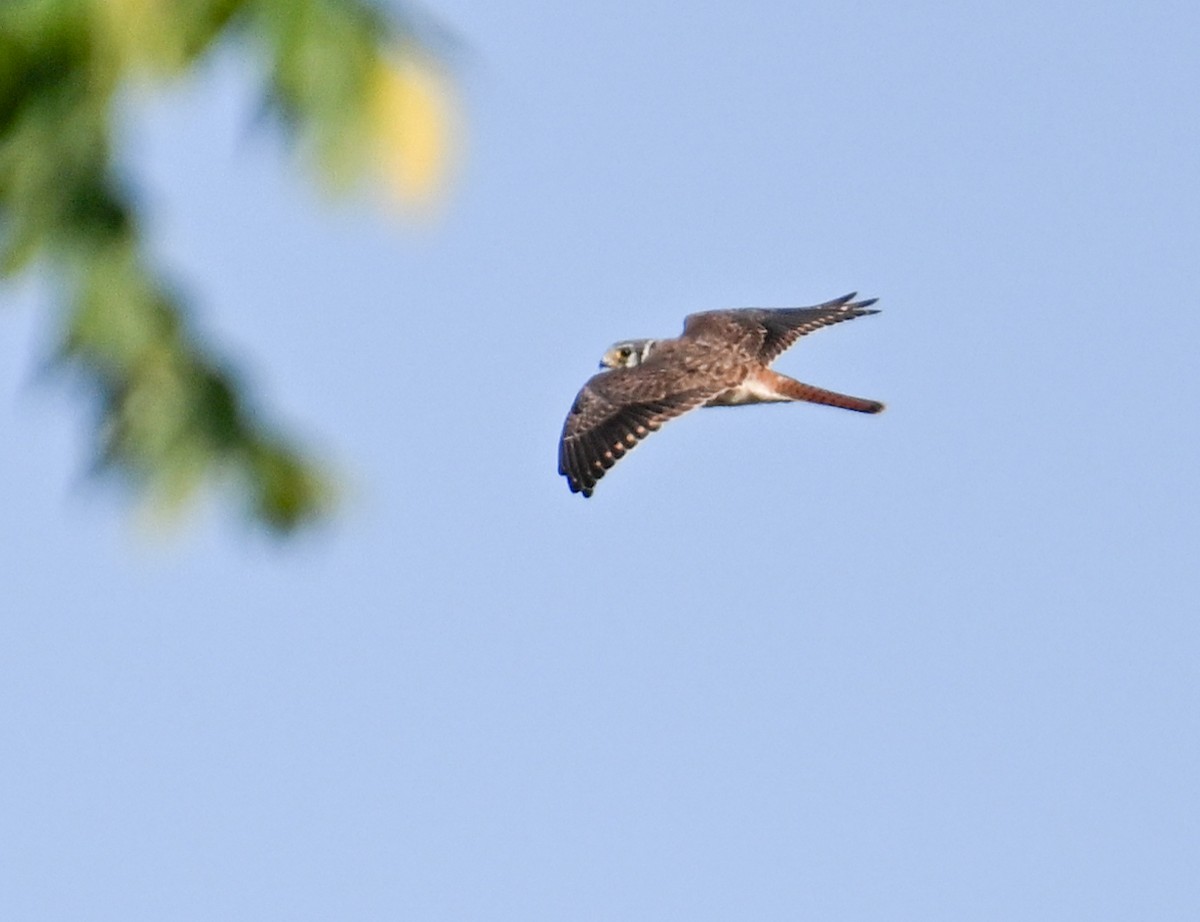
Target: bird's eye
<point>625,352</point>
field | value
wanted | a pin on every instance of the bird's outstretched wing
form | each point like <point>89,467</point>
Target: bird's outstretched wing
<point>775,329</point>
<point>613,412</point>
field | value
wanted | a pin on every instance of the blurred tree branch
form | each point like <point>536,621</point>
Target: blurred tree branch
<point>354,90</point>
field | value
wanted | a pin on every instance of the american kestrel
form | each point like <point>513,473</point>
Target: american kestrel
<point>722,358</point>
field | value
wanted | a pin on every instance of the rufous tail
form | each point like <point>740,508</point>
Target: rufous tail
<point>797,390</point>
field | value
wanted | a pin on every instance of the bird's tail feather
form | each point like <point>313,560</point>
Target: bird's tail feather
<point>797,390</point>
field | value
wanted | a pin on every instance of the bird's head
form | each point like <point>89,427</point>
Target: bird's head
<point>628,353</point>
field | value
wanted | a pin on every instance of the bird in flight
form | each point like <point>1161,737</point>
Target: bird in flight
<point>722,358</point>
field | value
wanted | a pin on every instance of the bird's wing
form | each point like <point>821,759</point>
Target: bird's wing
<point>735,332</point>
<point>773,330</point>
<point>617,409</point>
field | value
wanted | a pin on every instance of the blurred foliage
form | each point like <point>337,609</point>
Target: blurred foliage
<point>354,90</point>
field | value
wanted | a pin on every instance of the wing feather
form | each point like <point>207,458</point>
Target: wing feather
<point>773,330</point>
<point>612,414</point>
<point>785,326</point>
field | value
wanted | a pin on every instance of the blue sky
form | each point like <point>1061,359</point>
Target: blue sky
<point>788,662</point>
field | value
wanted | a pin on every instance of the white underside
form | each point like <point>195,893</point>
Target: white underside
<point>750,391</point>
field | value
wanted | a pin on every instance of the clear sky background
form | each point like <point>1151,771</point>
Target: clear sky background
<point>789,662</point>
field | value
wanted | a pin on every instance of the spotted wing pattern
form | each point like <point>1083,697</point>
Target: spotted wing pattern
<point>776,329</point>
<point>614,411</point>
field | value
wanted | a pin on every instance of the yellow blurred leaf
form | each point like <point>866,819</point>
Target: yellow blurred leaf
<point>412,126</point>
